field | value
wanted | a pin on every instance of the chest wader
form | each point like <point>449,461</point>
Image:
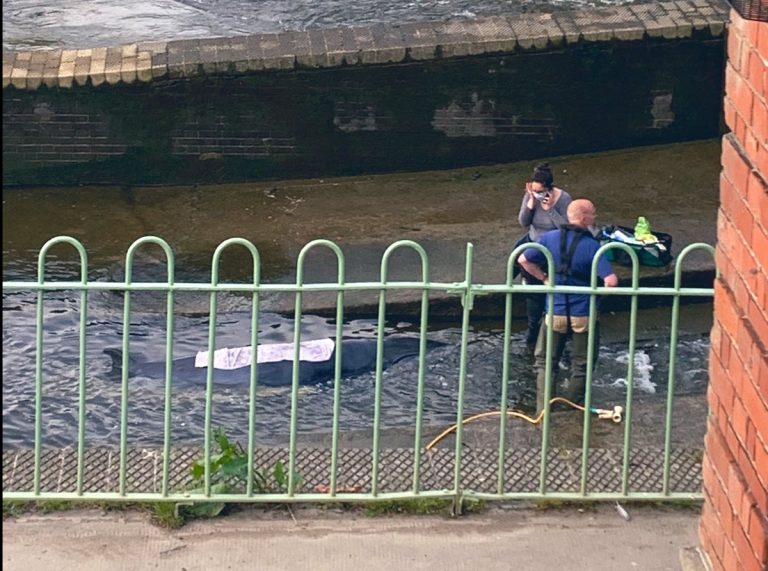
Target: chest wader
<point>577,382</point>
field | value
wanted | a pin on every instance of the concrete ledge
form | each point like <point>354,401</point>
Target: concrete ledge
<point>371,45</point>
<point>694,559</point>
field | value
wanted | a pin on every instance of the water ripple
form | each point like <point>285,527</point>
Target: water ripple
<point>35,24</point>
<point>230,404</point>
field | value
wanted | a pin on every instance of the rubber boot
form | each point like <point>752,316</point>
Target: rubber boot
<point>540,356</point>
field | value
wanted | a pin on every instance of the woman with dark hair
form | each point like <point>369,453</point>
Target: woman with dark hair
<point>544,208</point>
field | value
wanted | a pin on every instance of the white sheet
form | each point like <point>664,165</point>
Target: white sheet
<point>230,358</point>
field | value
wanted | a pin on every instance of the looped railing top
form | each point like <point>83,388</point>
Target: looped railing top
<point>305,250</point>
<point>602,250</point>
<point>169,258</point>
<point>522,248</point>
<point>418,248</point>
<point>681,257</point>
<point>62,240</point>
<point>248,245</point>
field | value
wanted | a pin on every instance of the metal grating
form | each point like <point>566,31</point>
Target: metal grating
<point>478,471</point>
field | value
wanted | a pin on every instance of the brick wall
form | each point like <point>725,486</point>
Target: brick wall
<point>41,135</point>
<point>447,113</point>
<point>734,524</point>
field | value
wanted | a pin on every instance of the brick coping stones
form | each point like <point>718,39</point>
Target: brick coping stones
<point>368,45</point>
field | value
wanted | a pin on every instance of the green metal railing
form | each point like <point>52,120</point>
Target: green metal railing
<point>466,289</point>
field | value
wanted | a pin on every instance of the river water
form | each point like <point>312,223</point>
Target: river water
<point>147,330</point>
<point>40,24</point>
<point>446,210</point>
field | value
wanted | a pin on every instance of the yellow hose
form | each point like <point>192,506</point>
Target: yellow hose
<point>512,413</point>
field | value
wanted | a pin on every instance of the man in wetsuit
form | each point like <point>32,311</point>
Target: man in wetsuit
<point>573,249</point>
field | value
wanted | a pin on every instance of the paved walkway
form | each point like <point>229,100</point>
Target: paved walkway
<point>526,539</point>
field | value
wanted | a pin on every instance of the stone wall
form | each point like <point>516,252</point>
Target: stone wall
<point>356,100</point>
<point>734,525</point>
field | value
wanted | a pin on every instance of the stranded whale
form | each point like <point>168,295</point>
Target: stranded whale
<point>358,356</point>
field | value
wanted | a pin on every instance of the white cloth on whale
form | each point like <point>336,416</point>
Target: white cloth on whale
<point>229,358</point>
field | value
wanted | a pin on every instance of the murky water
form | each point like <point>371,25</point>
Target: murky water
<point>36,24</point>
<point>280,217</point>
<point>230,404</point>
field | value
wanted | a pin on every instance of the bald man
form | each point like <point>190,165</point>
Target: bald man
<point>573,250</point>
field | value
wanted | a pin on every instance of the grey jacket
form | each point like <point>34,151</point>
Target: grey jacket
<point>539,221</point>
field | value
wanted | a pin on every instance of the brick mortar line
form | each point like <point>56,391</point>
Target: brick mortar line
<point>754,336</point>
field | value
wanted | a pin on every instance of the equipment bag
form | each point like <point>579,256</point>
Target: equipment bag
<point>653,254</point>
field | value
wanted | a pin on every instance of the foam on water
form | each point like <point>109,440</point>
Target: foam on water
<point>36,24</point>
<point>643,370</point>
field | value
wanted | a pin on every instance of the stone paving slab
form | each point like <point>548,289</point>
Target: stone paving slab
<point>371,45</point>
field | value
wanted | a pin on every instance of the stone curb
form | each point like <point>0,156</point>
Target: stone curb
<point>694,559</point>
<point>371,45</point>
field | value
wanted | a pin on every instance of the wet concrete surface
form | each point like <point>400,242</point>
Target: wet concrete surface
<point>674,186</point>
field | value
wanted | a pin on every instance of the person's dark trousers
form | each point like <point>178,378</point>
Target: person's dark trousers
<point>535,304</point>
<point>579,349</point>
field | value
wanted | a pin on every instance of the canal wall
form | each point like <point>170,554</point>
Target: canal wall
<point>369,99</point>
<point>734,524</point>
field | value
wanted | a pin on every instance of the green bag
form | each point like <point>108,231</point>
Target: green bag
<point>653,255</point>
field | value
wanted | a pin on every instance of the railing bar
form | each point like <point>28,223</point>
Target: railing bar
<point>38,391</point>
<point>465,316</point>
<point>254,371</point>
<point>630,394</point>
<point>169,326</point>
<point>452,287</point>
<point>337,392</point>
<point>588,395</point>
<point>504,392</point>
<point>348,497</point>
<point>299,288</point>
<point>420,391</point>
<point>377,392</point>
<point>39,319</point>
<point>213,319</point>
<point>549,350</point>
<point>593,496</point>
<point>124,391</point>
<point>670,395</point>
<point>294,391</point>
<point>254,381</point>
<point>126,344</point>
<point>81,393</point>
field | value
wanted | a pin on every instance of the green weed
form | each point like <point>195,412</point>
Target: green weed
<point>423,506</point>
<point>230,467</point>
<point>165,514</point>
<point>14,508</point>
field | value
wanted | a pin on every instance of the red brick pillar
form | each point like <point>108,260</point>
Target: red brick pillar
<point>734,522</point>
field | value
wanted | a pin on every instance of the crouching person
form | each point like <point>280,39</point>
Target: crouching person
<point>573,249</point>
